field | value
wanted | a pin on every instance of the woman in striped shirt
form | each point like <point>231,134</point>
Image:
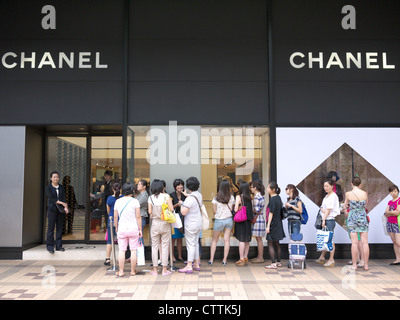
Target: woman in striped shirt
<point>294,209</point>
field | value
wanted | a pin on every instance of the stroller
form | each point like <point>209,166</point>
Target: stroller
<point>297,252</point>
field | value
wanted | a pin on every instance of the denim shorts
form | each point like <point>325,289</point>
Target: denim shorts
<point>330,224</point>
<point>294,226</point>
<point>221,224</point>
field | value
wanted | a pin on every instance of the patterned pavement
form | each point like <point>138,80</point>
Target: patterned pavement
<point>90,280</point>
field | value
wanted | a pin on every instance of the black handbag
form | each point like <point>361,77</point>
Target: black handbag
<point>60,208</point>
<point>318,221</point>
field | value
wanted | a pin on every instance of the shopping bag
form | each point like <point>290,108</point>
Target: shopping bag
<point>384,225</point>
<point>204,218</point>
<point>140,260</point>
<point>324,240</point>
<point>178,223</point>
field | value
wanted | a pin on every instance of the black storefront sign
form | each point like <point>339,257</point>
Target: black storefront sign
<point>325,74</point>
<point>228,62</point>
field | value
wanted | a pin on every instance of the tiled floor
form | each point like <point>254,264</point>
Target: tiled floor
<point>90,280</point>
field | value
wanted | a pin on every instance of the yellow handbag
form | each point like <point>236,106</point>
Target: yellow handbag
<point>166,214</point>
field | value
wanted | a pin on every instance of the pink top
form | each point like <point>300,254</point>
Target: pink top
<point>393,206</point>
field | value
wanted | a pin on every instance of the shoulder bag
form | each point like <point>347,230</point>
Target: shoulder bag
<point>204,215</point>
<point>166,214</point>
<point>241,214</point>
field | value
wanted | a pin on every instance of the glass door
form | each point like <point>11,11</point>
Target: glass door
<point>105,168</point>
<point>68,156</point>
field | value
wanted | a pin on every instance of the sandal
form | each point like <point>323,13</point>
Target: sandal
<point>167,273</point>
<point>278,264</point>
<point>119,274</point>
<point>107,262</point>
<point>240,262</point>
<point>134,273</point>
<point>183,270</point>
<point>154,273</point>
<point>272,266</point>
<point>329,264</point>
<point>256,260</point>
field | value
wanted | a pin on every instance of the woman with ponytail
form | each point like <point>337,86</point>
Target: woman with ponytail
<point>116,188</point>
<point>274,228</point>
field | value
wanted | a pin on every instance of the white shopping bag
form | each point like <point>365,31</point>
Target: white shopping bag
<point>324,240</point>
<point>140,260</point>
<point>384,223</point>
<point>178,223</point>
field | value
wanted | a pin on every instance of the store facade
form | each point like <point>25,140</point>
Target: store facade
<point>171,89</point>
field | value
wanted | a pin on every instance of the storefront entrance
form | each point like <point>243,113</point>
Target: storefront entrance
<point>85,165</point>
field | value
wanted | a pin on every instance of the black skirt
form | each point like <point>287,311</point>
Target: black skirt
<point>242,230</point>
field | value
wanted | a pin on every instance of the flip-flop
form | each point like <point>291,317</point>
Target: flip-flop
<point>119,275</point>
<point>154,273</point>
<point>167,273</point>
<point>185,270</point>
<point>271,266</point>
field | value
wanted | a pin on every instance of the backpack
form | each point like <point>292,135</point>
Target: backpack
<point>304,214</point>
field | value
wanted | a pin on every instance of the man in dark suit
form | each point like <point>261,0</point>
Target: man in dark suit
<point>56,210</point>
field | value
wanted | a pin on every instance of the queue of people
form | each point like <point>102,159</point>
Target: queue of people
<point>129,209</point>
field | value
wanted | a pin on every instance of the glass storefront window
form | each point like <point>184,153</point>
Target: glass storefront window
<point>208,152</point>
<point>106,166</point>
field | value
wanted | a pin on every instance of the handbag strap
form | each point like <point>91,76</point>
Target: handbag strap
<point>124,208</point>
<point>197,201</point>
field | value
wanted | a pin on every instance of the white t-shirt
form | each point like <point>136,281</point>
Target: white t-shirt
<point>331,202</point>
<point>159,200</point>
<point>126,216</point>
<point>193,219</point>
<point>223,209</point>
